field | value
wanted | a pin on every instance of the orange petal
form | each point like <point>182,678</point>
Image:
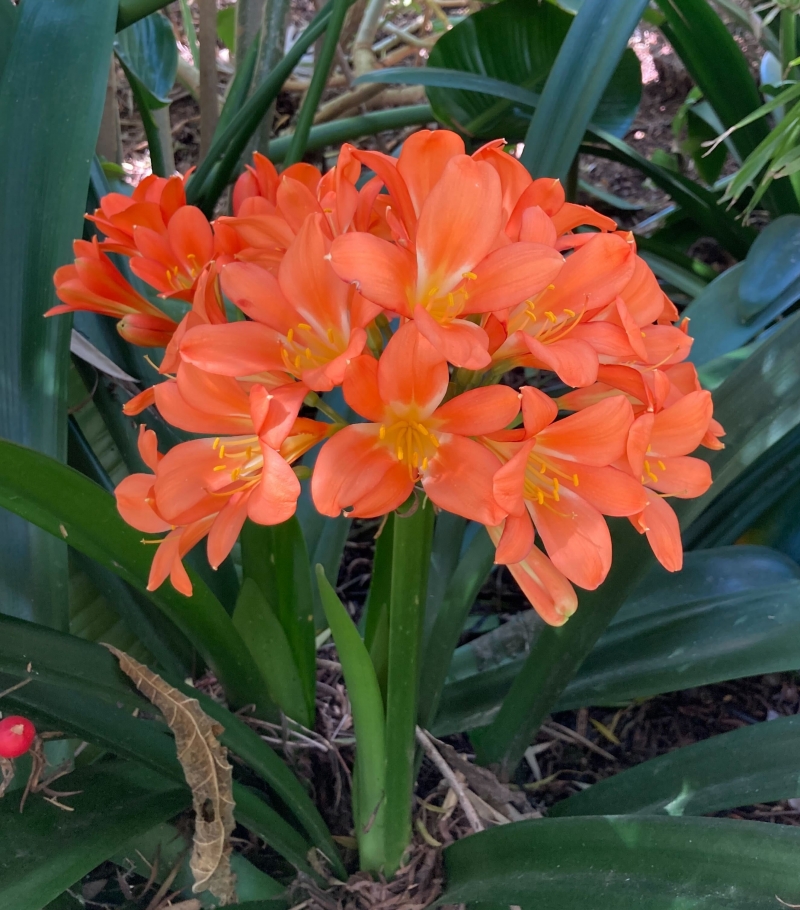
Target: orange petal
<point>514,178</point>
<point>575,537</point>
<point>458,224</point>
<point>666,344</point>
<point>147,443</point>
<point>423,159</point>
<point>215,395</point>
<point>234,349</point>
<point>274,499</point>
<point>296,202</point>
<point>191,237</point>
<point>274,422</point>
<point>478,411</point>
<point>323,378</point>
<point>384,273</point>
<point>537,227</point>
<point>538,410</point>
<point>570,216</point>
<point>140,402</point>
<point>642,295</point>
<point>391,492</point>
<point>679,429</point>
<point>609,490</point>
<point>595,436</point>
<point>459,479</point>
<point>608,340</point>
<point>134,495</point>
<point>544,193</point>
<point>226,528</point>
<point>517,539</point>
<point>682,476</point>
<point>510,275</point>
<point>574,362</point>
<point>258,295</point>
<point>509,481</point>
<point>549,593</point>
<point>308,280</point>
<point>660,524</point>
<point>412,372</point>
<point>386,168</point>
<point>462,343</point>
<point>174,408</point>
<point>350,466</point>
<point>360,388</point>
<point>638,443</point>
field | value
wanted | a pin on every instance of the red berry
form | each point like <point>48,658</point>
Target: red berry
<point>16,736</point>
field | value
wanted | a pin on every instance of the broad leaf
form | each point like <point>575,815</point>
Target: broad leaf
<point>772,266</point>
<point>518,42</point>
<point>44,174</point>
<point>149,54</point>
<point>621,862</point>
<point>48,849</point>
<point>756,764</point>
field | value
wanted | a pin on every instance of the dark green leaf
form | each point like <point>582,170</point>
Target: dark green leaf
<point>756,764</point>
<point>8,25</point>
<point>131,11</point>
<point>47,849</point>
<point>757,407</point>
<point>471,573</point>
<point>44,173</point>
<point>772,266</point>
<point>518,42</point>
<point>695,643</point>
<point>584,68</point>
<point>702,127</point>
<point>71,507</point>
<point>369,724</point>
<point>263,634</point>
<point>149,54</point>
<point>411,555</point>
<point>716,323</point>
<point>621,863</point>
<point>483,671</point>
<point>275,557</point>
<point>448,541</point>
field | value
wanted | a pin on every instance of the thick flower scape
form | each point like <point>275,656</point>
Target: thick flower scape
<point>417,292</point>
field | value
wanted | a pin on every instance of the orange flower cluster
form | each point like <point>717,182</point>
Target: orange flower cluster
<point>418,292</point>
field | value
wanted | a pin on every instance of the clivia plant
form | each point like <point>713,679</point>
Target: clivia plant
<point>446,345</point>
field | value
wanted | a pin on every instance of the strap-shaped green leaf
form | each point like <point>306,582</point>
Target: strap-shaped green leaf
<point>622,863</point>
<point>46,850</point>
<point>44,174</point>
<point>69,506</point>
<point>757,764</point>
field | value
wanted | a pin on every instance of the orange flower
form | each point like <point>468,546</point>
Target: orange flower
<point>450,260</point>
<point>307,322</point>
<point>372,468</point>
<point>95,284</point>
<point>152,204</point>
<point>560,482</point>
<point>210,486</point>
<point>674,417</point>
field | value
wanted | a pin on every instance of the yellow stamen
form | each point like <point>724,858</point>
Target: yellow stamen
<point>382,432</point>
<point>425,464</point>
<point>569,312</point>
<point>551,316</point>
<point>303,325</point>
<point>575,479</point>
<point>662,466</point>
<point>215,444</point>
<point>290,335</point>
<point>470,276</point>
<point>220,467</point>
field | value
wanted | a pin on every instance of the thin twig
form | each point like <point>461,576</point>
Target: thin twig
<point>559,731</point>
<point>16,686</point>
<point>447,773</point>
<point>209,103</point>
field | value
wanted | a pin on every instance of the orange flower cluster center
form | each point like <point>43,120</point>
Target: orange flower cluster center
<point>542,481</point>
<point>413,443</point>
<point>241,458</point>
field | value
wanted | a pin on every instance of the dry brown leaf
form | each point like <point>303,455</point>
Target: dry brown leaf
<point>208,774</point>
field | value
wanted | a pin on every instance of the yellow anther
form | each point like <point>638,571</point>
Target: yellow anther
<point>569,312</point>
<point>249,454</point>
<point>434,440</point>
<point>643,335</point>
<point>550,287</point>
<point>575,479</point>
<point>470,276</point>
<point>330,335</point>
<point>215,443</point>
<point>424,464</point>
<point>222,451</point>
<point>540,497</point>
<point>220,467</point>
<point>551,316</point>
<point>297,362</point>
<point>662,466</point>
<point>555,485</point>
<point>399,453</point>
<point>422,429</point>
<point>290,335</point>
<point>308,353</point>
<point>382,432</point>
<point>235,473</point>
<point>433,292</point>
<point>415,460</point>
<point>543,468</point>
<point>450,301</point>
